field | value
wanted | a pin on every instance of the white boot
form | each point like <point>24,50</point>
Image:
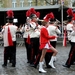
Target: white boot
<point>54,58</point>
<point>42,62</point>
<point>41,70</point>
<point>51,62</point>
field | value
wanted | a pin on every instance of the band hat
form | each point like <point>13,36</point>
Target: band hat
<point>70,14</point>
<point>47,17</point>
<point>52,17</point>
<point>31,13</point>
<point>10,16</point>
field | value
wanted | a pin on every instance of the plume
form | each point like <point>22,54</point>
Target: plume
<point>47,17</point>
<point>28,13</point>
<point>38,14</point>
<point>70,12</point>
<point>32,10</point>
<point>52,15</point>
<point>10,14</point>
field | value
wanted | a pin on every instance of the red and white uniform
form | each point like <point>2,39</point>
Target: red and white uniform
<point>69,30</point>
<point>45,38</point>
<point>31,30</point>
<point>53,31</point>
<point>13,30</point>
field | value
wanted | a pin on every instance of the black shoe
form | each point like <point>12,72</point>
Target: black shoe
<point>73,63</point>
<point>13,66</point>
<point>67,66</point>
<point>28,61</point>
<point>4,65</point>
<point>48,66</point>
<point>33,65</point>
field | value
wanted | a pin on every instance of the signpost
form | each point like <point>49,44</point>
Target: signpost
<point>62,3</point>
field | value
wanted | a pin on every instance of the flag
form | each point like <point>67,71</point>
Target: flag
<point>65,39</point>
<point>10,42</point>
<point>28,39</point>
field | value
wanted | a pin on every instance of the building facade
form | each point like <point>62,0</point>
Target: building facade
<point>26,3</point>
<point>43,6</point>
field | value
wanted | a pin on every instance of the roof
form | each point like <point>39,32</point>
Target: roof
<point>26,8</point>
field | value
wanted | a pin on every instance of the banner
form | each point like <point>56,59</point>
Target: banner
<point>65,38</point>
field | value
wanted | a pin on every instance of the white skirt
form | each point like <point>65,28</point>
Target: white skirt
<point>47,46</point>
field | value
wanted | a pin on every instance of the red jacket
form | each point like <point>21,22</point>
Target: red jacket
<point>44,37</point>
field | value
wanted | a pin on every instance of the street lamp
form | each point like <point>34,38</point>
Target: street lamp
<point>62,3</point>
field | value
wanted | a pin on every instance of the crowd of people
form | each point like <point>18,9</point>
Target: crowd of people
<point>40,39</point>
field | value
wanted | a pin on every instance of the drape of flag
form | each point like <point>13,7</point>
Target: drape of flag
<point>10,42</point>
<point>28,39</point>
<point>65,38</point>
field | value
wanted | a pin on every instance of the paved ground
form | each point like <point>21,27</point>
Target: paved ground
<point>23,68</point>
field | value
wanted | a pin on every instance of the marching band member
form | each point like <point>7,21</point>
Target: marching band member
<point>33,34</point>
<point>71,58</point>
<point>45,44</point>
<point>26,31</point>
<point>53,30</point>
<point>70,23</point>
<point>9,38</point>
<point>69,31</point>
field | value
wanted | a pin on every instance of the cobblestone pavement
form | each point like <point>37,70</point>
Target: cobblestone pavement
<point>23,68</point>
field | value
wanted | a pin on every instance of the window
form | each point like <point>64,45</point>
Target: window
<point>22,3</point>
<point>30,2</point>
<point>73,3</point>
<point>14,3</point>
<point>0,0</point>
<point>1,3</point>
<point>52,2</point>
